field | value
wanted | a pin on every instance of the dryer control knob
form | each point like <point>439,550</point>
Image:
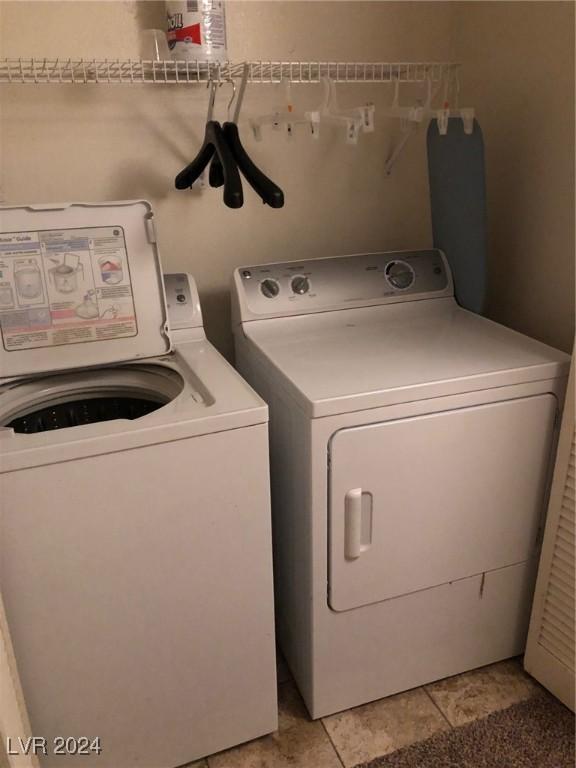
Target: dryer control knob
<point>270,288</point>
<point>300,284</point>
<point>399,274</point>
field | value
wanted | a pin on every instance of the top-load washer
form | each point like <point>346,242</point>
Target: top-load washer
<point>135,548</point>
<point>411,443</point>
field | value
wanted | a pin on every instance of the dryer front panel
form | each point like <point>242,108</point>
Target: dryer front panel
<point>423,501</point>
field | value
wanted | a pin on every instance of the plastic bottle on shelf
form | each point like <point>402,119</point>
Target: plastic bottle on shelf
<point>196,30</point>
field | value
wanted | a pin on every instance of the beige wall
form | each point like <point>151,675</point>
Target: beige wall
<point>97,143</point>
<point>113,142</point>
<point>518,65</point>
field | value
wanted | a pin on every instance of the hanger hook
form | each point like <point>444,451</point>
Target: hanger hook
<point>456,77</point>
<point>233,84</point>
<point>327,92</point>
<point>396,99</point>
<point>240,99</point>
<point>429,91</point>
<point>212,98</point>
<point>448,87</point>
<point>285,81</point>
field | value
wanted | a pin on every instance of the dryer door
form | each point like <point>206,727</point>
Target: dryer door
<point>423,501</point>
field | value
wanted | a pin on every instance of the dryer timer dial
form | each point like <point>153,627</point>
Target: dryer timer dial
<point>399,275</point>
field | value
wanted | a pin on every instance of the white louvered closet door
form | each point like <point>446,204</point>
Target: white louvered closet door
<point>550,649</point>
<point>14,723</point>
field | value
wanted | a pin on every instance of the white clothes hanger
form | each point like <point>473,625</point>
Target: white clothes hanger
<point>467,114</point>
<point>285,117</point>
<point>354,120</point>
<point>410,114</point>
<point>411,117</point>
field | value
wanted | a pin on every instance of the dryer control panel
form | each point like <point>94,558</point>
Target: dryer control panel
<point>316,285</point>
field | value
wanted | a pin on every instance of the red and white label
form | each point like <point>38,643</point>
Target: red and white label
<point>64,287</point>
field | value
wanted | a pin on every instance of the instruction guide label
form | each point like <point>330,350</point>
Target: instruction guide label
<point>64,287</point>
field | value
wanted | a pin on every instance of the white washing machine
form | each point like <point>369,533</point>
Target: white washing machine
<point>411,444</point>
<point>135,538</point>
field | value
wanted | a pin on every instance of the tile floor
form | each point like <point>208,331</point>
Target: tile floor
<point>379,728</point>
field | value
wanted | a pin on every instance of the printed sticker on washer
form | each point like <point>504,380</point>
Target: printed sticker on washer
<point>64,287</point>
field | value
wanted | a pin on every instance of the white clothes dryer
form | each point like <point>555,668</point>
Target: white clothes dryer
<point>411,443</point>
<point>135,538</point>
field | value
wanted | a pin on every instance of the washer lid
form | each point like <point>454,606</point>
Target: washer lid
<point>80,285</point>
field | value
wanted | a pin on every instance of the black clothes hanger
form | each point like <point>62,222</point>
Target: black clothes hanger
<point>222,146</point>
<point>270,193</point>
<point>215,145</point>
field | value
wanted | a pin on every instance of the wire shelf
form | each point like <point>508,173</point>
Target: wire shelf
<point>90,71</point>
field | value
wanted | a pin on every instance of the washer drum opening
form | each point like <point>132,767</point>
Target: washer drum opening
<point>90,397</point>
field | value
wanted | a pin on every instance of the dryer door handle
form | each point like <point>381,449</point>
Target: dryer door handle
<point>357,523</point>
